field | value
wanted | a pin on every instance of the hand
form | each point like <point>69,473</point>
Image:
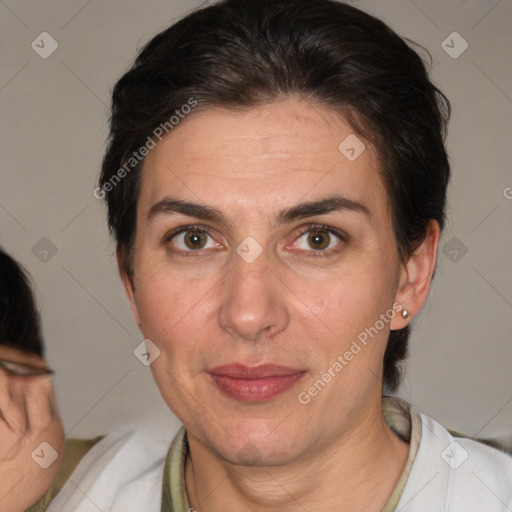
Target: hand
<point>28,417</point>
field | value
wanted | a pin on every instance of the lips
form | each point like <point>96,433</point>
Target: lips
<point>254,384</point>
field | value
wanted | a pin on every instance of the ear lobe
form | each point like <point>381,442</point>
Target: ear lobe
<point>128,286</point>
<point>416,277</point>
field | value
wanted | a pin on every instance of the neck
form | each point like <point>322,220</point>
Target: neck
<point>357,472</point>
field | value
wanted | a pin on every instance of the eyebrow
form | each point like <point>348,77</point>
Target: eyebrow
<point>336,203</point>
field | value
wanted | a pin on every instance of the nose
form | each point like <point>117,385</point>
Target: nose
<point>253,300</point>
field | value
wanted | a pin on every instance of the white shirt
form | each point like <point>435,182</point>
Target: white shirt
<point>123,472</point>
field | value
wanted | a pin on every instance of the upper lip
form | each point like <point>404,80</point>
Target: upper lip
<point>239,371</point>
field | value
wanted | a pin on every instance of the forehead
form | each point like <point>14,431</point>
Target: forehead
<point>277,153</point>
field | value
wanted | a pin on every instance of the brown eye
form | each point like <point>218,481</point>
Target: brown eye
<point>190,239</point>
<point>195,239</point>
<point>319,239</point>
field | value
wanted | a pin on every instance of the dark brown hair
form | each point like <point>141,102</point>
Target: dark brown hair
<point>19,319</point>
<point>244,53</point>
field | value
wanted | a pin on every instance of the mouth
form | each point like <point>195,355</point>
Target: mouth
<point>254,384</point>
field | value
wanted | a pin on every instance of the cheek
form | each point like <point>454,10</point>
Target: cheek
<point>172,310</point>
<point>160,293</point>
<point>354,297</point>
<point>349,307</point>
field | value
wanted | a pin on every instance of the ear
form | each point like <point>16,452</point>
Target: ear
<point>128,285</point>
<point>416,277</point>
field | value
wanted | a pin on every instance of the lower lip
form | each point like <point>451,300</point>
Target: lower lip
<point>255,390</point>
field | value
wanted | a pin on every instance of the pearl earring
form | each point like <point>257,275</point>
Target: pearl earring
<point>405,313</point>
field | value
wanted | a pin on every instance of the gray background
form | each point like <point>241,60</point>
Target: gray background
<point>53,134</point>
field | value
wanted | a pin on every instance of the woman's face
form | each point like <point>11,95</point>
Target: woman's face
<point>267,278</point>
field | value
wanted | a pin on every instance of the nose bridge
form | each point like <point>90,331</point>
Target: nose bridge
<point>251,303</point>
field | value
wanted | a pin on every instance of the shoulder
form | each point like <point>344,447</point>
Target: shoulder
<point>481,473</point>
<point>121,471</point>
<point>74,451</point>
<point>469,454</point>
<point>457,473</point>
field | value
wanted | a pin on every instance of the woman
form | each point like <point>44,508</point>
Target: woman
<point>276,183</point>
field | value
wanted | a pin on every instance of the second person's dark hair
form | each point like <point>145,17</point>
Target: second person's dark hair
<point>19,319</point>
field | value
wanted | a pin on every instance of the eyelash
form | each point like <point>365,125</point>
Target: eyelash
<point>183,229</point>
<point>321,227</point>
<point>305,229</point>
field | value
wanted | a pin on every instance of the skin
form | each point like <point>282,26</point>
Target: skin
<point>28,417</point>
<point>289,307</point>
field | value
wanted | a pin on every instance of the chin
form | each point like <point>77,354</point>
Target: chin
<point>257,444</point>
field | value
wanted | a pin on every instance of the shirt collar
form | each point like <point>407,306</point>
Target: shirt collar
<point>402,418</point>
